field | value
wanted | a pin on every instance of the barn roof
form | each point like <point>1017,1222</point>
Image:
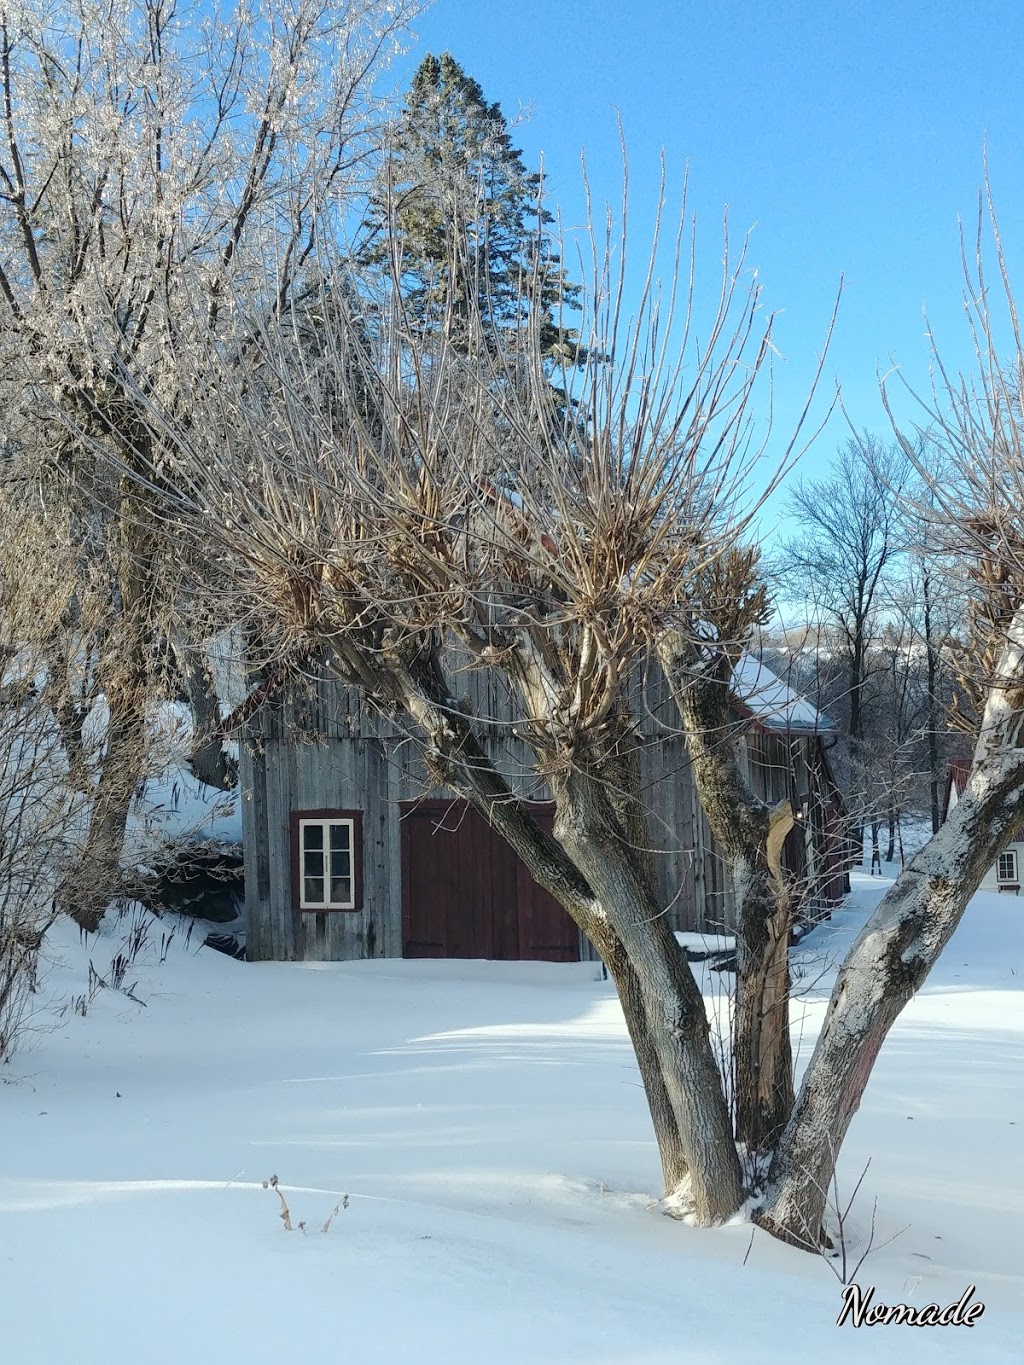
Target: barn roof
<point>773,704</point>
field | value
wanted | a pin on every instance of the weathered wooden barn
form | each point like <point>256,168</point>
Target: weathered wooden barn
<point>351,852</point>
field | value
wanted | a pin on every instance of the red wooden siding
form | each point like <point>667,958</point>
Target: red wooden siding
<point>466,894</point>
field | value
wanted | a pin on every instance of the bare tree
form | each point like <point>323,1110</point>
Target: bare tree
<point>451,529</point>
<point>977,519</point>
<point>400,510</point>
<point>855,528</point>
<point>907,695</point>
<point>915,730</point>
<point>150,155</point>
<point>405,509</point>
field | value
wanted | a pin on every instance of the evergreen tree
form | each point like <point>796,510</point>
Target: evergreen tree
<point>467,216</point>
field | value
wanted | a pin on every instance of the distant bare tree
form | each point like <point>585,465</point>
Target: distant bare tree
<point>854,530</point>
<point>920,728</point>
<point>899,638</point>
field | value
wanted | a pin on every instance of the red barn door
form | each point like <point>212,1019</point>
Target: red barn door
<point>466,894</point>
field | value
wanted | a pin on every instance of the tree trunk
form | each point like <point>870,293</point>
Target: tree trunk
<point>594,873</point>
<point>627,984</point>
<point>890,848</point>
<point>620,764</point>
<point>124,674</point>
<point>672,1003</point>
<point>86,895</point>
<point>894,954</point>
<point>742,827</point>
<point>764,1058</point>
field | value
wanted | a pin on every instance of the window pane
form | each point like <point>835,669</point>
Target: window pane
<point>313,863</point>
<point>341,864</point>
<point>312,836</point>
<point>341,891</point>
<point>341,837</point>
<point>313,891</point>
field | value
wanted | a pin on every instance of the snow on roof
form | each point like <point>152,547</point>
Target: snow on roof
<point>772,702</point>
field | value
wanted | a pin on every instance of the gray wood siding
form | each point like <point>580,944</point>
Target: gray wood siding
<point>323,747</point>
<point>334,774</point>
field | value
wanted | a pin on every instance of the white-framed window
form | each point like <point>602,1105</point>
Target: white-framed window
<point>327,847</point>
<point>1006,870</point>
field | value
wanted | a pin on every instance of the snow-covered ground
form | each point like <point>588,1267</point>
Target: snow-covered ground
<point>488,1124</point>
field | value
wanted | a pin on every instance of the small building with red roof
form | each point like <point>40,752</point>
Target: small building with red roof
<point>1005,872</point>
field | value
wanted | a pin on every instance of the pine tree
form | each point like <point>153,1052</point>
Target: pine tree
<point>467,216</point>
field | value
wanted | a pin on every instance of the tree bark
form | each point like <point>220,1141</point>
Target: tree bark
<point>86,895</point>
<point>742,825</point>
<point>124,675</point>
<point>621,770</point>
<point>671,1000</point>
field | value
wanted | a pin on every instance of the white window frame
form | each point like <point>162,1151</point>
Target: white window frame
<point>1012,879</point>
<point>326,823</point>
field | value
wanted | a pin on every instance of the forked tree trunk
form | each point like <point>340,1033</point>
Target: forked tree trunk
<point>592,870</point>
<point>894,954</point>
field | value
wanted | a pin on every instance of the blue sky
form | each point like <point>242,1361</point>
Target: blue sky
<point>850,133</point>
